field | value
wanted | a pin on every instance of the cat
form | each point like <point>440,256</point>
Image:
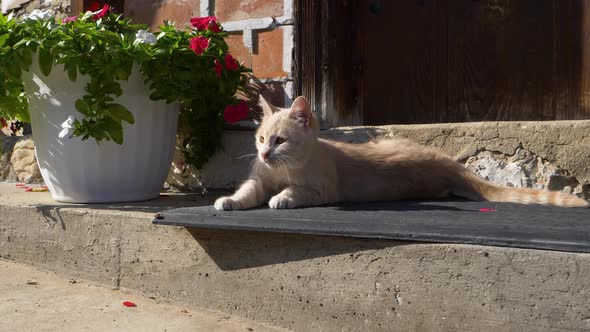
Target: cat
<point>295,168</point>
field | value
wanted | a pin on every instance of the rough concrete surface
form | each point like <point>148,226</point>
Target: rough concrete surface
<point>304,283</point>
<point>34,300</point>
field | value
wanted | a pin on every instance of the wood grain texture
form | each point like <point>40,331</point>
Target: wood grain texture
<point>435,61</point>
<point>76,7</point>
<point>341,63</point>
<point>404,61</point>
<point>584,13</point>
<point>308,53</point>
<point>571,67</point>
<point>500,60</point>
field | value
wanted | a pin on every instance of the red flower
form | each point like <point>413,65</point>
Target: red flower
<point>94,6</point>
<point>103,12</point>
<point>199,44</point>
<point>69,19</point>
<point>235,113</point>
<point>213,26</point>
<point>218,67</point>
<point>206,23</point>
<point>231,63</point>
<point>201,23</point>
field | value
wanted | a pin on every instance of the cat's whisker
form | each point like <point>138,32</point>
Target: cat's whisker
<point>254,164</point>
<point>246,155</point>
<point>283,166</point>
<point>252,161</point>
<point>289,159</point>
<point>251,164</point>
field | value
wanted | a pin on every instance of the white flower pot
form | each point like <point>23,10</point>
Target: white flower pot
<point>86,172</point>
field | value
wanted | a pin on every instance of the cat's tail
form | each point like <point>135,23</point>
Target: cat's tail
<point>494,193</point>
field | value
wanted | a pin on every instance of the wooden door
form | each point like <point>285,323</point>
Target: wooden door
<point>436,61</point>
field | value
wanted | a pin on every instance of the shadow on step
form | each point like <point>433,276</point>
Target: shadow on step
<point>238,250</point>
<point>166,201</point>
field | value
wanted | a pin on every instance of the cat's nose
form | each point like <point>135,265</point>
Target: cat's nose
<point>264,155</point>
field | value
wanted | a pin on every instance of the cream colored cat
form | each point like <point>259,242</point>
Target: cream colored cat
<point>295,168</point>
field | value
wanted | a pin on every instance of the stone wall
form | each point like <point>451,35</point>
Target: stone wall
<point>60,8</point>
<point>17,161</point>
<point>552,155</point>
<point>543,155</point>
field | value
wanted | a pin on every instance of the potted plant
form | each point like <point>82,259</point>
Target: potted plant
<point>103,94</point>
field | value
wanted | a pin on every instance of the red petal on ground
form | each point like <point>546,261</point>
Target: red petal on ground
<point>487,210</point>
<point>129,304</point>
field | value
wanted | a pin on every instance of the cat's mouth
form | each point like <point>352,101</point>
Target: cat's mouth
<point>275,162</point>
<point>270,162</point>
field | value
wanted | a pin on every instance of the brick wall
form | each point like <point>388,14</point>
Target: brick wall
<point>261,36</point>
<point>261,33</point>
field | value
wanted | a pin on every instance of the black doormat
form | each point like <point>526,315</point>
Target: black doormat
<point>483,223</point>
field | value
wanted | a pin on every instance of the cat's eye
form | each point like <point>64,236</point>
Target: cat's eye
<point>261,139</point>
<point>279,140</point>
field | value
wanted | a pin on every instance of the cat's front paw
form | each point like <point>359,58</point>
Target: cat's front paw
<point>281,202</point>
<point>227,204</point>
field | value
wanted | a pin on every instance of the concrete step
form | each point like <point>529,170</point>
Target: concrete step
<point>300,282</point>
<point>35,300</point>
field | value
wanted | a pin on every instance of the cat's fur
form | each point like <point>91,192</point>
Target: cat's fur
<point>305,170</point>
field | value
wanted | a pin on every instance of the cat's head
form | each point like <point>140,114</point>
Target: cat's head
<point>286,135</point>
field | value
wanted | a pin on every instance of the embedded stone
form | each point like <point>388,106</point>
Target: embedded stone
<point>24,162</point>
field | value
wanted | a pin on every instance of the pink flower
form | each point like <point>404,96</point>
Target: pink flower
<point>199,44</point>
<point>103,12</point>
<point>69,19</point>
<point>218,67</point>
<point>206,23</point>
<point>235,113</point>
<point>231,63</point>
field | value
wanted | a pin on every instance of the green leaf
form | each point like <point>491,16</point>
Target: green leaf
<point>4,38</point>
<point>14,69</point>
<point>45,60</point>
<point>26,56</point>
<point>104,52</point>
<point>122,72</point>
<point>115,131</point>
<point>121,113</point>
<point>72,70</point>
<point>82,106</point>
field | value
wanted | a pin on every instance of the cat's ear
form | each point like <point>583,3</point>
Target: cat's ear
<point>301,111</point>
<point>267,108</point>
